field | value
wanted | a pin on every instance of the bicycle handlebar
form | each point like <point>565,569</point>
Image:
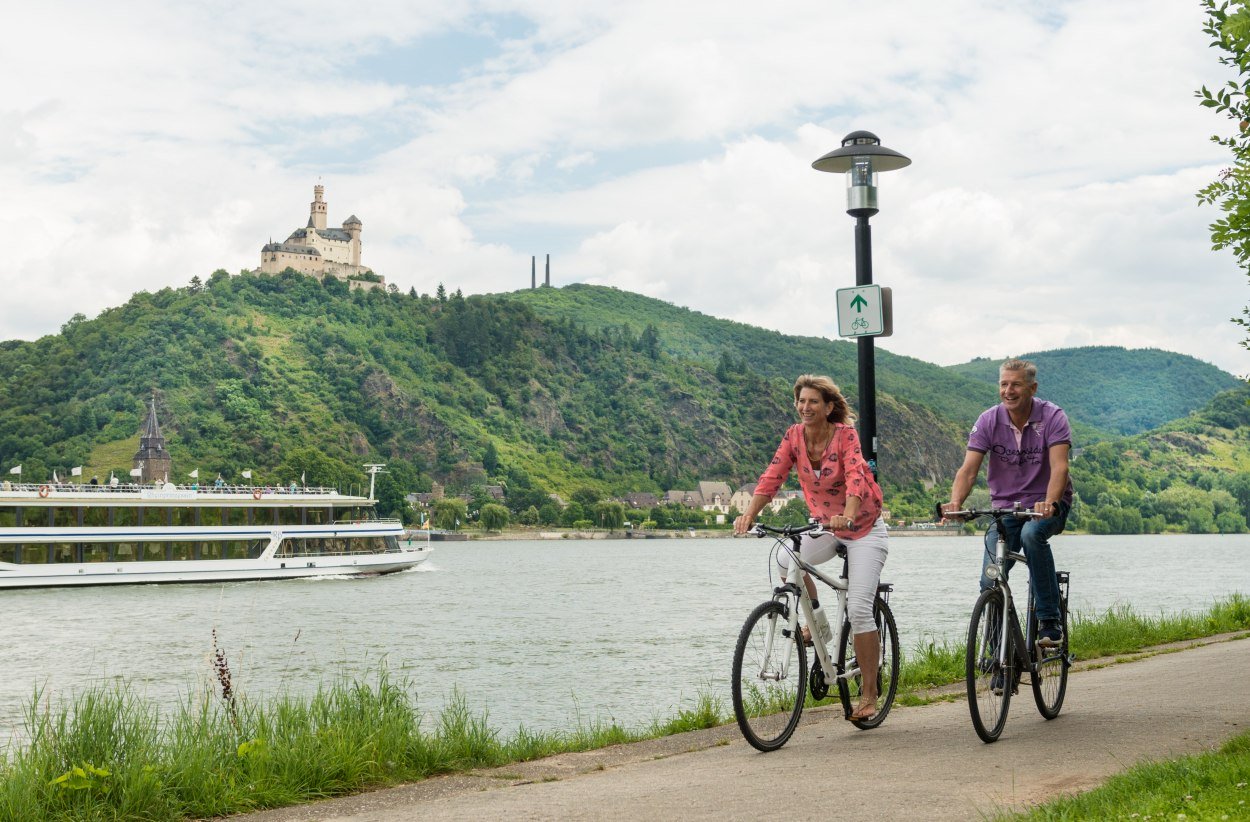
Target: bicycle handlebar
<point>970,514</point>
<point>759,529</point>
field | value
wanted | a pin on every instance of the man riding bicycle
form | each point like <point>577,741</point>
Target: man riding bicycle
<point>1028,441</point>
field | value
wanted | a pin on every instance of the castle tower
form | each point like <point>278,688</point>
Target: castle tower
<point>152,458</point>
<point>352,226</point>
<point>318,217</point>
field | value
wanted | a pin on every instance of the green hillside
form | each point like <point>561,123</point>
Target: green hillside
<point>285,376</point>
<point>687,334</point>
<point>1191,474</point>
<point>582,391</point>
<point>1120,390</point>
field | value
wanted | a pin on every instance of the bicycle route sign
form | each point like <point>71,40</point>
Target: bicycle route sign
<point>865,311</point>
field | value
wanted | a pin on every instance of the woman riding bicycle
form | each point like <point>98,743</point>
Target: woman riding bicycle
<point>841,492</point>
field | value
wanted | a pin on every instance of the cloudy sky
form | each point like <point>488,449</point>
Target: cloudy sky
<point>659,147</point>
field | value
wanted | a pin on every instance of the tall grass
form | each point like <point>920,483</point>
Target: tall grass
<point>1118,630</point>
<point>108,755</point>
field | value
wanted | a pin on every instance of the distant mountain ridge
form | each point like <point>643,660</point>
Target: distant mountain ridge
<point>1119,390</point>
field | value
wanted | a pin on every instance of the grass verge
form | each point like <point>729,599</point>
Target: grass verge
<point>1204,786</point>
<point>110,756</point>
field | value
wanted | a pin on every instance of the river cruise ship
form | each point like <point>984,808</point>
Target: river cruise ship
<point>71,534</point>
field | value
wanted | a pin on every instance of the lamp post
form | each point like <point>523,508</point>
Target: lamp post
<point>861,157</point>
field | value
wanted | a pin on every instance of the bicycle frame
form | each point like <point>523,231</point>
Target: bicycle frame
<point>794,590</point>
<point>1010,621</point>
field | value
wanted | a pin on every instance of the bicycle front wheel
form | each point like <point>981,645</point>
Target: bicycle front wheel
<point>1050,671</point>
<point>989,683</point>
<point>769,678</point>
<point>851,688</point>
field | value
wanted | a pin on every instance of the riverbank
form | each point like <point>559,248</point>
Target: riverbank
<point>525,534</point>
<point>922,763</point>
<point>110,754</point>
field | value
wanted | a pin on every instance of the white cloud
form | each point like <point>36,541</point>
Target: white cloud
<point>658,148</point>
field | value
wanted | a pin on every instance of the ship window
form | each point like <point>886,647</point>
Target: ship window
<point>65,517</point>
<point>125,516</point>
<point>32,554</point>
<point>152,551</point>
<point>289,516</point>
<point>155,516</point>
<point>183,516</point>
<point>124,552</point>
<point>8,553</point>
<point>65,552</point>
<point>95,552</point>
<point>182,550</point>
<point>8,517</point>
<point>33,517</point>
<point>210,516</point>
<point>317,516</point>
<point>210,550</point>
<point>235,516</point>
<point>95,517</point>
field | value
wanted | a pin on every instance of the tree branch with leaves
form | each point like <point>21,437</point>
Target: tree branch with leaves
<point>1228,25</point>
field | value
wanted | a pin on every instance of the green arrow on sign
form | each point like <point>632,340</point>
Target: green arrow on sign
<point>858,303</point>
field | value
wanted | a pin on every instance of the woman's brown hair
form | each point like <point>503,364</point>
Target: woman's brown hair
<point>830,392</point>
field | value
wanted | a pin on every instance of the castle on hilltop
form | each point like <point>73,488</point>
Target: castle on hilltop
<point>319,251</point>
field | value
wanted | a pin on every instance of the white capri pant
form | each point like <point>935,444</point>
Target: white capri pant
<point>865,559</point>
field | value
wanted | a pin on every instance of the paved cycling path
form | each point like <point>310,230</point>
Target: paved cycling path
<point>924,762</point>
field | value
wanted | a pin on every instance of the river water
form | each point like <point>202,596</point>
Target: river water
<point>545,634</point>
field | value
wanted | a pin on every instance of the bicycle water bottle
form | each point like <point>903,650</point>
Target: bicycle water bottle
<point>822,625</point>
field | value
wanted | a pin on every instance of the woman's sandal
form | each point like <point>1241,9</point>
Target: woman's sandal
<point>863,712</point>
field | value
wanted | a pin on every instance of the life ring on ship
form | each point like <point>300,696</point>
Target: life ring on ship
<point>44,491</point>
<point>256,493</point>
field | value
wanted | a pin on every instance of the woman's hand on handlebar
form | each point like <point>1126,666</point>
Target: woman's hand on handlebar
<point>743,524</point>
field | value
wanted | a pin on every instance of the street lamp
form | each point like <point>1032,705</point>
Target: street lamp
<point>861,157</point>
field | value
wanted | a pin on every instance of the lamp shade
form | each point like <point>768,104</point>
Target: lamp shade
<point>861,144</point>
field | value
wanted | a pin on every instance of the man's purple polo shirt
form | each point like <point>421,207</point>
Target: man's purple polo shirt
<point>1020,473</point>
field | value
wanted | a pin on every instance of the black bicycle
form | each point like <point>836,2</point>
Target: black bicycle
<point>998,652</point>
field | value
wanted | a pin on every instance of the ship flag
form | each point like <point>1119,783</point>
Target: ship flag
<point>247,474</point>
<point>17,469</point>
<point>112,479</point>
<point>136,472</point>
<point>76,471</point>
<point>194,474</point>
<point>302,481</point>
<point>55,479</point>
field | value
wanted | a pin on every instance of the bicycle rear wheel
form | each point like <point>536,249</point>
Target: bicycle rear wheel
<point>989,684</point>
<point>769,678</point>
<point>1050,670</point>
<point>850,688</point>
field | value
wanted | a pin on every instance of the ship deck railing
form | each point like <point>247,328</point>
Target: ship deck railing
<point>131,488</point>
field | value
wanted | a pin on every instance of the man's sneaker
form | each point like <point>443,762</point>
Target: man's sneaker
<point>1049,633</point>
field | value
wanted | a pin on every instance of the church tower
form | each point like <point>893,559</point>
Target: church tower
<point>152,458</point>
<point>318,218</point>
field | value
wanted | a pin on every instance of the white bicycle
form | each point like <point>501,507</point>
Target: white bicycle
<point>770,676</point>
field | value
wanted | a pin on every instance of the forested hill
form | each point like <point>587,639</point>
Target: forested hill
<point>1108,391</point>
<point>1123,391</point>
<point>284,375</point>
<point>540,391</point>
<point>687,334</point>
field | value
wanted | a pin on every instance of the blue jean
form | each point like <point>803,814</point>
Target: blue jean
<point>1034,535</point>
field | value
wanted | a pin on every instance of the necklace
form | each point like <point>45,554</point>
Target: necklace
<point>817,450</point>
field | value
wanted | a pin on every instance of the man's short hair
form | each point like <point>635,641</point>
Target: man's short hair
<point>1014,364</point>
